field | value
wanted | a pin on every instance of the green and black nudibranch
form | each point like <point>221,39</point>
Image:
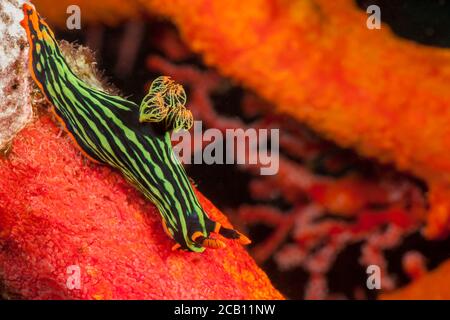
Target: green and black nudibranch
<point>134,140</point>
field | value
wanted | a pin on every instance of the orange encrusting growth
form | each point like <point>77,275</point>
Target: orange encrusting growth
<point>58,210</point>
<point>431,286</point>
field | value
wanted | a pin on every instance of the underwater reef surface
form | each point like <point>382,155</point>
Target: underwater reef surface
<point>368,90</point>
<point>15,110</point>
<point>61,214</point>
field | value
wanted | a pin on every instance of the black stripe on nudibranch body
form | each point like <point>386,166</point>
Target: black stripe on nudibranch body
<point>132,139</point>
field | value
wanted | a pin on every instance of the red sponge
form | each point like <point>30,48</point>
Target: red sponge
<point>62,217</point>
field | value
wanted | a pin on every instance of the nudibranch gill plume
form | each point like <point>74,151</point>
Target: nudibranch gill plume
<point>133,139</point>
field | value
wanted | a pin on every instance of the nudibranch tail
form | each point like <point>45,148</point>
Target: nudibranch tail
<point>45,59</point>
<point>40,37</point>
<point>109,130</point>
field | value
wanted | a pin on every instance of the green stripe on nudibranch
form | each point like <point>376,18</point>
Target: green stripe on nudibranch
<point>132,139</point>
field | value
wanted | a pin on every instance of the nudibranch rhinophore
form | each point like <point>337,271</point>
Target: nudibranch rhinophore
<point>133,139</point>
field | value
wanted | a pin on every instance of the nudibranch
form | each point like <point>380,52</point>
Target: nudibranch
<point>133,139</point>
